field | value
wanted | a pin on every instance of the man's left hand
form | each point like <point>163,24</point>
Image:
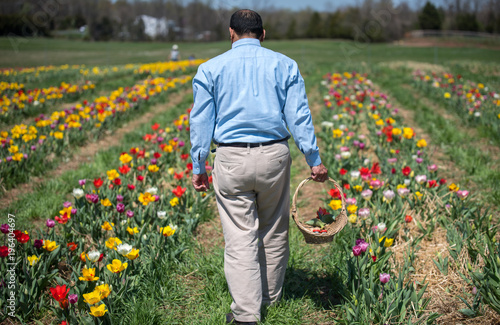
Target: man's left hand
<point>200,182</point>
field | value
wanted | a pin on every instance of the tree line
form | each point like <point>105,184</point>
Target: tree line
<point>372,20</point>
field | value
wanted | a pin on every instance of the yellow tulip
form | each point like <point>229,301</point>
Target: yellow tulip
<point>49,245</point>
<point>153,168</point>
<point>335,204</point>
<point>421,143</point>
<point>33,259</point>
<point>113,242</point>
<point>116,266</point>
<point>125,158</point>
<point>92,298</point>
<point>98,311</point>
<point>168,230</point>
<point>107,226</point>
<point>352,208</point>
<point>134,253</point>
<point>106,202</point>
<point>88,275</point>
<point>174,202</point>
<point>103,290</point>
<point>132,231</point>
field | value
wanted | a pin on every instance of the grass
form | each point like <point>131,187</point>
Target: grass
<point>42,51</point>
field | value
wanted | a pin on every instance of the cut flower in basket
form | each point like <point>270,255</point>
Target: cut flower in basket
<point>322,219</point>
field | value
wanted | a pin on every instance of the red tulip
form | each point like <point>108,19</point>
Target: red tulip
<point>98,182</point>
<point>406,171</point>
<point>408,219</point>
<point>179,191</point>
<point>59,292</point>
<point>4,251</point>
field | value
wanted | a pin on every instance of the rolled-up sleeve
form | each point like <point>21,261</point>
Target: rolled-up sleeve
<point>298,118</point>
<point>201,120</point>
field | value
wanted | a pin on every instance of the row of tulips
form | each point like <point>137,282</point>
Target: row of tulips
<point>474,102</point>
<point>95,74</point>
<point>17,101</point>
<point>85,263</point>
<point>29,102</point>
<point>25,150</point>
<point>388,180</point>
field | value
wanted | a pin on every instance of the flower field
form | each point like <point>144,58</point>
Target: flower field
<point>25,148</point>
<point>90,259</point>
<point>476,103</point>
<point>129,241</point>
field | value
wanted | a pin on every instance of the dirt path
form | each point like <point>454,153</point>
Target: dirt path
<point>85,153</point>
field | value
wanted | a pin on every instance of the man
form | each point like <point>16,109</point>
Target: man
<point>244,100</point>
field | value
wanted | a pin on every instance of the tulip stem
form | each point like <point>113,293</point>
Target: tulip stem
<point>359,272</point>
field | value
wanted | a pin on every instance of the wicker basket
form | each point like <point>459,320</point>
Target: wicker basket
<point>331,229</point>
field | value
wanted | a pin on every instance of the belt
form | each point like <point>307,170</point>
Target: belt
<point>250,145</point>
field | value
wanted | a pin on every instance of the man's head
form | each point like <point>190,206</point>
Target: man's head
<point>246,23</point>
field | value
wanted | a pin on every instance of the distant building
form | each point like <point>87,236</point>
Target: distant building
<point>156,27</point>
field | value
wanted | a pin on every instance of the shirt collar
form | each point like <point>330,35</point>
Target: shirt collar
<point>246,41</point>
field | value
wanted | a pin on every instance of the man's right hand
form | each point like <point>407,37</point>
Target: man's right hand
<point>319,173</point>
<point>200,182</point>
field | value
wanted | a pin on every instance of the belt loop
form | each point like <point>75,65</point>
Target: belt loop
<point>248,148</point>
<point>260,146</point>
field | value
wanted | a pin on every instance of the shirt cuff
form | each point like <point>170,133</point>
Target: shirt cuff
<point>199,167</point>
<point>313,159</point>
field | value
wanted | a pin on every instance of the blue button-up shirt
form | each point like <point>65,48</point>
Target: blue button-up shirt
<point>249,94</point>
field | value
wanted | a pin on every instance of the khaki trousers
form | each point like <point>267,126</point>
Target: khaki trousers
<point>252,187</point>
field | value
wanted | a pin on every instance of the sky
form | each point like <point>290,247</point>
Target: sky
<point>318,5</point>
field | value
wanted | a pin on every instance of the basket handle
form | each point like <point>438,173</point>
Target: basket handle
<point>294,200</point>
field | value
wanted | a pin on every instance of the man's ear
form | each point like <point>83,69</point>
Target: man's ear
<point>261,38</point>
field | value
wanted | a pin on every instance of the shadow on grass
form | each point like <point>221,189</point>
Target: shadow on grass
<point>325,290</point>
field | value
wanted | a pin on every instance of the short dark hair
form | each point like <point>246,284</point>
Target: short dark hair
<point>246,21</point>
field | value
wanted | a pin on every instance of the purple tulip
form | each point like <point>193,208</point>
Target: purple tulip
<point>362,146</point>
<point>82,182</point>
<point>356,250</point>
<point>33,148</point>
<point>364,246</point>
<point>392,160</point>
<point>67,204</point>
<point>419,160</point>
<point>119,198</point>
<point>432,168</point>
<point>350,201</point>
<point>364,213</point>
<point>50,223</point>
<point>359,241</point>
<point>176,139</point>
<point>9,159</point>
<point>384,278</point>
<point>94,198</point>
<point>38,243</point>
<point>73,298</point>
<point>181,143</point>
<point>153,161</point>
<point>4,228</point>
<point>130,214</point>
<point>120,207</point>
<point>159,139</point>
<point>74,211</point>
